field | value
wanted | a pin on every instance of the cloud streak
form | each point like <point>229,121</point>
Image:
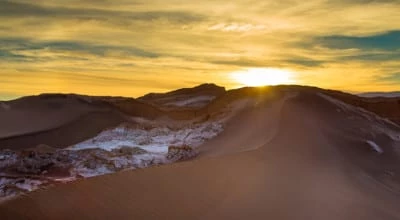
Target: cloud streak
<point>389,41</point>
<point>19,48</point>
<point>17,10</point>
<point>393,78</point>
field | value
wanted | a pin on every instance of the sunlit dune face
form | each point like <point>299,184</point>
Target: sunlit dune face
<point>263,77</point>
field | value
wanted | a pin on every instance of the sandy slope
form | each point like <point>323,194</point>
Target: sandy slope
<point>388,107</point>
<point>71,132</point>
<point>315,165</point>
<point>39,113</point>
<point>53,119</point>
<point>261,114</point>
<point>60,120</point>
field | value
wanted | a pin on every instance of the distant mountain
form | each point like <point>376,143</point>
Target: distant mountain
<point>380,94</point>
<point>195,97</point>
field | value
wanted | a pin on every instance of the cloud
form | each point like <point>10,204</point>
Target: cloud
<point>385,41</point>
<point>236,27</point>
<point>7,55</point>
<point>19,48</point>
<point>393,78</point>
<point>242,62</point>
<point>365,1</point>
<point>305,61</point>
<point>18,9</point>
<point>382,47</point>
<point>372,57</point>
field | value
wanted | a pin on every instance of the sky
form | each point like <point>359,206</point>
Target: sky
<point>132,47</point>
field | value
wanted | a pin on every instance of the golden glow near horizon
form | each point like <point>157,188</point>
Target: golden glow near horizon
<point>130,48</point>
<point>263,77</point>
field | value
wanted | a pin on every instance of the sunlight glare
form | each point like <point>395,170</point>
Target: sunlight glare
<point>263,76</point>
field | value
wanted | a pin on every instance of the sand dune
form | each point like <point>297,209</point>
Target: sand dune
<point>39,113</point>
<point>190,98</point>
<point>387,107</point>
<point>48,118</point>
<point>60,120</point>
<point>74,131</point>
<point>295,154</point>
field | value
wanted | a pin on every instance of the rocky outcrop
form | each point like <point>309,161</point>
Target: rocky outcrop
<point>179,153</point>
<point>47,161</point>
<point>35,161</point>
<point>33,168</point>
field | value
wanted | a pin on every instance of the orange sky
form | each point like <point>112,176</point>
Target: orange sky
<point>130,48</point>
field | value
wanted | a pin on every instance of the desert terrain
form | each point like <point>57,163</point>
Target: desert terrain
<point>277,152</point>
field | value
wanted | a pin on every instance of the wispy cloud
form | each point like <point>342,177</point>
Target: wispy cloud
<point>385,41</point>
<point>18,9</point>
<point>236,27</point>
<point>18,48</point>
<point>393,78</point>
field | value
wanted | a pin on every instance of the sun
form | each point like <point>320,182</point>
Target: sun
<point>263,76</point>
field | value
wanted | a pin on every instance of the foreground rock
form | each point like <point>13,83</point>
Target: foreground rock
<point>28,170</point>
<point>180,153</point>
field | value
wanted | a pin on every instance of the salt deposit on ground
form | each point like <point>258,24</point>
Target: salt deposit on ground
<point>374,146</point>
<point>197,101</point>
<point>156,140</point>
<point>10,187</point>
<point>366,114</point>
<point>139,144</point>
<point>121,148</point>
<point>377,124</point>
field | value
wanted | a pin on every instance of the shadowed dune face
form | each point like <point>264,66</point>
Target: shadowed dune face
<point>40,113</point>
<point>62,120</point>
<point>56,120</point>
<point>79,129</point>
<point>297,154</point>
<point>387,107</point>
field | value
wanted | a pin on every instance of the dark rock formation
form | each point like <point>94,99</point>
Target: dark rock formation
<point>178,153</point>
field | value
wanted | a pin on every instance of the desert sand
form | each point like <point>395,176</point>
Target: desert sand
<point>285,153</point>
<point>58,120</point>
